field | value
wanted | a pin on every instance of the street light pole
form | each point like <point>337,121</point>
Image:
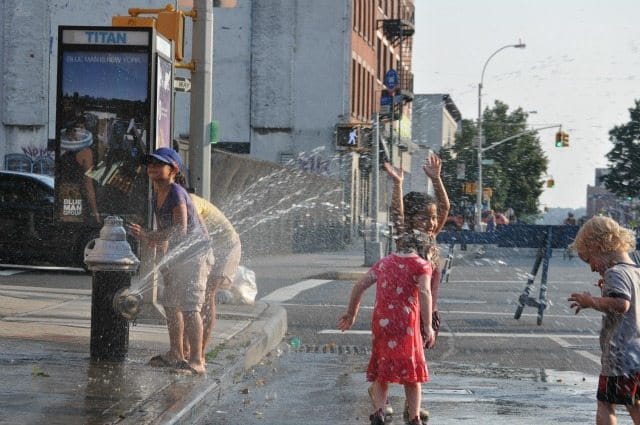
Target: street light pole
<point>480,135</point>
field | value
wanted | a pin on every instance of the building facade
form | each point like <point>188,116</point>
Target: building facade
<point>436,121</point>
<point>295,77</point>
<point>291,77</point>
<point>600,201</point>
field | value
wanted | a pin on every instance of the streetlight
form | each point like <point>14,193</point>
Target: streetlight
<point>520,45</point>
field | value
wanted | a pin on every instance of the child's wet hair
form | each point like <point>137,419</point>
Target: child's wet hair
<point>416,203</point>
<point>412,241</point>
<point>601,235</point>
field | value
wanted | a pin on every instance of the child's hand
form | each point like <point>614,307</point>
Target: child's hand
<point>346,322</point>
<point>432,166</point>
<point>396,174</point>
<point>135,230</point>
<point>580,301</point>
<point>429,337</point>
<point>432,252</point>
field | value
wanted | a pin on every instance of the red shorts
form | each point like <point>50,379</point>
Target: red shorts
<point>619,389</point>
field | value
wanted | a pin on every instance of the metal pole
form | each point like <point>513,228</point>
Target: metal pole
<point>375,162</point>
<point>478,223</point>
<point>480,135</point>
<point>372,246</point>
<point>201,99</point>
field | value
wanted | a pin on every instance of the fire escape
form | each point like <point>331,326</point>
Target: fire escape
<point>399,32</point>
<point>398,91</point>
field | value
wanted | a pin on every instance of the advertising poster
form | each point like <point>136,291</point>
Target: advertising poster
<point>103,127</point>
<point>164,78</point>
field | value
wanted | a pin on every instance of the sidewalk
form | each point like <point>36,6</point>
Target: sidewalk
<point>48,377</point>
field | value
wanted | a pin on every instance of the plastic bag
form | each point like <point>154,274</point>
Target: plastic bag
<point>243,287</point>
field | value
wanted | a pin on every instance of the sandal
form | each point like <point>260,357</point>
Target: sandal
<point>160,361</point>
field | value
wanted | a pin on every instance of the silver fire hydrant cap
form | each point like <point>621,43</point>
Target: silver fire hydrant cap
<point>111,251</point>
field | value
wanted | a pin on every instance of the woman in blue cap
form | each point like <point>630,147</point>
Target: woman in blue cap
<point>183,244</point>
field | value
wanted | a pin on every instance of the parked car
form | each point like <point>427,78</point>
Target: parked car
<point>29,231</point>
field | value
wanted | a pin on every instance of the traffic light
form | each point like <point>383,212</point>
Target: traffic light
<point>559,139</point>
<point>132,21</point>
<point>171,25</point>
<point>470,188</point>
<point>168,22</point>
<point>348,136</point>
<point>562,139</point>
<point>551,182</point>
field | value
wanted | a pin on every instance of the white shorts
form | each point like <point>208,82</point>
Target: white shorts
<point>185,283</point>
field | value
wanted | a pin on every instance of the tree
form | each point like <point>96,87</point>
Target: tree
<point>623,178</point>
<point>519,165</point>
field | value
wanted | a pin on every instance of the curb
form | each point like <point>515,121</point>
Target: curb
<point>345,275</point>
<point>258,339</point>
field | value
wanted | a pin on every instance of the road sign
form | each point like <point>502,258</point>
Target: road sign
<point>391,79</point>
<point>182,84</point>
<point>488,161</point>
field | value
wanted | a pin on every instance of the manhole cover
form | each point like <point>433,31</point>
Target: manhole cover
<point>333,349</point>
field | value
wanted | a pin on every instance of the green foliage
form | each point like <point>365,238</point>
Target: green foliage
<point>516,176</point>
<point>623,178</point>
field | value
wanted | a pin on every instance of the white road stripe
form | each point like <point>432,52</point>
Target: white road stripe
<point>474,334</point>
<point>284,294</point>
<point>446,312</point>
<point>523,281</point>
<point>289,292</point>
<point>565,344</point>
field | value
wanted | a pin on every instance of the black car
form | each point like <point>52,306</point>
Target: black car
<point>29,231</point>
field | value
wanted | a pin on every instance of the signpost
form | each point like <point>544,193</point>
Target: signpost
<point>182,84</point>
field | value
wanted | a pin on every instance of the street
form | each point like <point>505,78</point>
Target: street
<point>487,367</point>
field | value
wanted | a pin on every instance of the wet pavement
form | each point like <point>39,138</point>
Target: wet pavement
<point>48,376</point>
<point>297,387</point>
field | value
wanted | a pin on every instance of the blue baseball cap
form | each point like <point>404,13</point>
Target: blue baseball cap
<point>166,155</point>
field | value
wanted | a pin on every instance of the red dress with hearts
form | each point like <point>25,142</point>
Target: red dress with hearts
<point>397,355</point>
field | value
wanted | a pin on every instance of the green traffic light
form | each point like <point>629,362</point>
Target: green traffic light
<point>559,143</point>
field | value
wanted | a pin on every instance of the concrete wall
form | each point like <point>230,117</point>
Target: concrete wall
<point>290,64</point>
<point>23,66</point>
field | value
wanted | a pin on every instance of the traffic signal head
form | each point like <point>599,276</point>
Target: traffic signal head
<point>171,25</point>
<point>562,139</point>
<point>551,183</point>
<point>348,136</point>
<point>559,139</point>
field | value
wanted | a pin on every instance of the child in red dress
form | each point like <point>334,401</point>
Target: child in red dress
<point>403,298</point>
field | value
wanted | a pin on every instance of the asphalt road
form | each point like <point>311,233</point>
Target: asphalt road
<point>505,370</point>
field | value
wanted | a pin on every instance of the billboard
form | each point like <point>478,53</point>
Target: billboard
<point>105,121</point>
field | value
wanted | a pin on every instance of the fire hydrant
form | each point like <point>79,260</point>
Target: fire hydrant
<point>112,263</point>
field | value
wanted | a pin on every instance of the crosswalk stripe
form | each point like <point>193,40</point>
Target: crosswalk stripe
<point>291,291</point>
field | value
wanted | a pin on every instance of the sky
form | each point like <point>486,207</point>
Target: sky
<point>580,68</point>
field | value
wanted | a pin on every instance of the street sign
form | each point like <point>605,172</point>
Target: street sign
<point>488,162</point>
<point>182,84</point>
<point>391,79</point>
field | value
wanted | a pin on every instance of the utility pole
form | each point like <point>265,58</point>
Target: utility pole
<point>201,114</point>
<point>373,246</point>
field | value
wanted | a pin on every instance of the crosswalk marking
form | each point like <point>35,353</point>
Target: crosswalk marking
<point>291,291</point>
